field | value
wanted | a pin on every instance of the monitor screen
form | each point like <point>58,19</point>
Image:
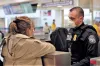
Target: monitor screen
<point>34,7</point>
<point>21,8</point>
<point>7,9</point>
<point>16,9</point>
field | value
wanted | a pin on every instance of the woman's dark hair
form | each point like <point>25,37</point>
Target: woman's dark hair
<point>19,25</point>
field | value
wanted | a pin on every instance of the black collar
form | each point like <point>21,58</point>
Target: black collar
<point>79,27</point>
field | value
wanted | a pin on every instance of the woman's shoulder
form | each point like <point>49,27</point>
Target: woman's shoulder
<point>37,42</point>
<point>31,40</point>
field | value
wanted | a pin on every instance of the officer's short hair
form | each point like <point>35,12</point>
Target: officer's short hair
<point>79,9</point>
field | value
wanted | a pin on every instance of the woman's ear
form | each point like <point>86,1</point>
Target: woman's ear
<point>27,31</point>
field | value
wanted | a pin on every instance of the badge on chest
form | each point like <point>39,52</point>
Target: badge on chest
<point>74,37</point>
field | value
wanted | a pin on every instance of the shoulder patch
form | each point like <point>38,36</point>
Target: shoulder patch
<point>92,39</point>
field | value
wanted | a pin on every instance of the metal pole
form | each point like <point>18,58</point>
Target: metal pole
<point>91,10</point>
<point>62,11</point>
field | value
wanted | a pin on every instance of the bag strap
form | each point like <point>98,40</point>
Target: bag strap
<point>84,28</point>
<point>87,26</point>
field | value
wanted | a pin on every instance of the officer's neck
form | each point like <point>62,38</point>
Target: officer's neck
<point>78,27</point>
<point>79,24</point>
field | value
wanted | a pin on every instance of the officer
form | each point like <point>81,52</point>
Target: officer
<point>83,39</point>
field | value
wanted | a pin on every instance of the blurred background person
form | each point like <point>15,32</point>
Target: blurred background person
<point>99,29</point>
<point>46,30</point>
<point>21,48</point>
<point>96,25</point>
<point>53,26</point>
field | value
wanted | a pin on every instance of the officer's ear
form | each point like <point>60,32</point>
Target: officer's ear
<point>81,18</point>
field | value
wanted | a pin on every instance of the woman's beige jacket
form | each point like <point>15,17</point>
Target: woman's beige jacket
<point>21,50</point>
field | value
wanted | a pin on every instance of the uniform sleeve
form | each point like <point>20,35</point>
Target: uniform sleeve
<point>92,50</point>
<point>43,48</point>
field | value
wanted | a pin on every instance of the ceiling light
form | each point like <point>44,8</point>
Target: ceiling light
<point>38,5</point>
<point>59,6</point>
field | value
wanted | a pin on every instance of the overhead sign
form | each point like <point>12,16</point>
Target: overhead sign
<point>61,3</point>
<point>45,1</point>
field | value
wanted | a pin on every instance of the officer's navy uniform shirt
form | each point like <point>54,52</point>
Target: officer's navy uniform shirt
<point>83,44</point>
